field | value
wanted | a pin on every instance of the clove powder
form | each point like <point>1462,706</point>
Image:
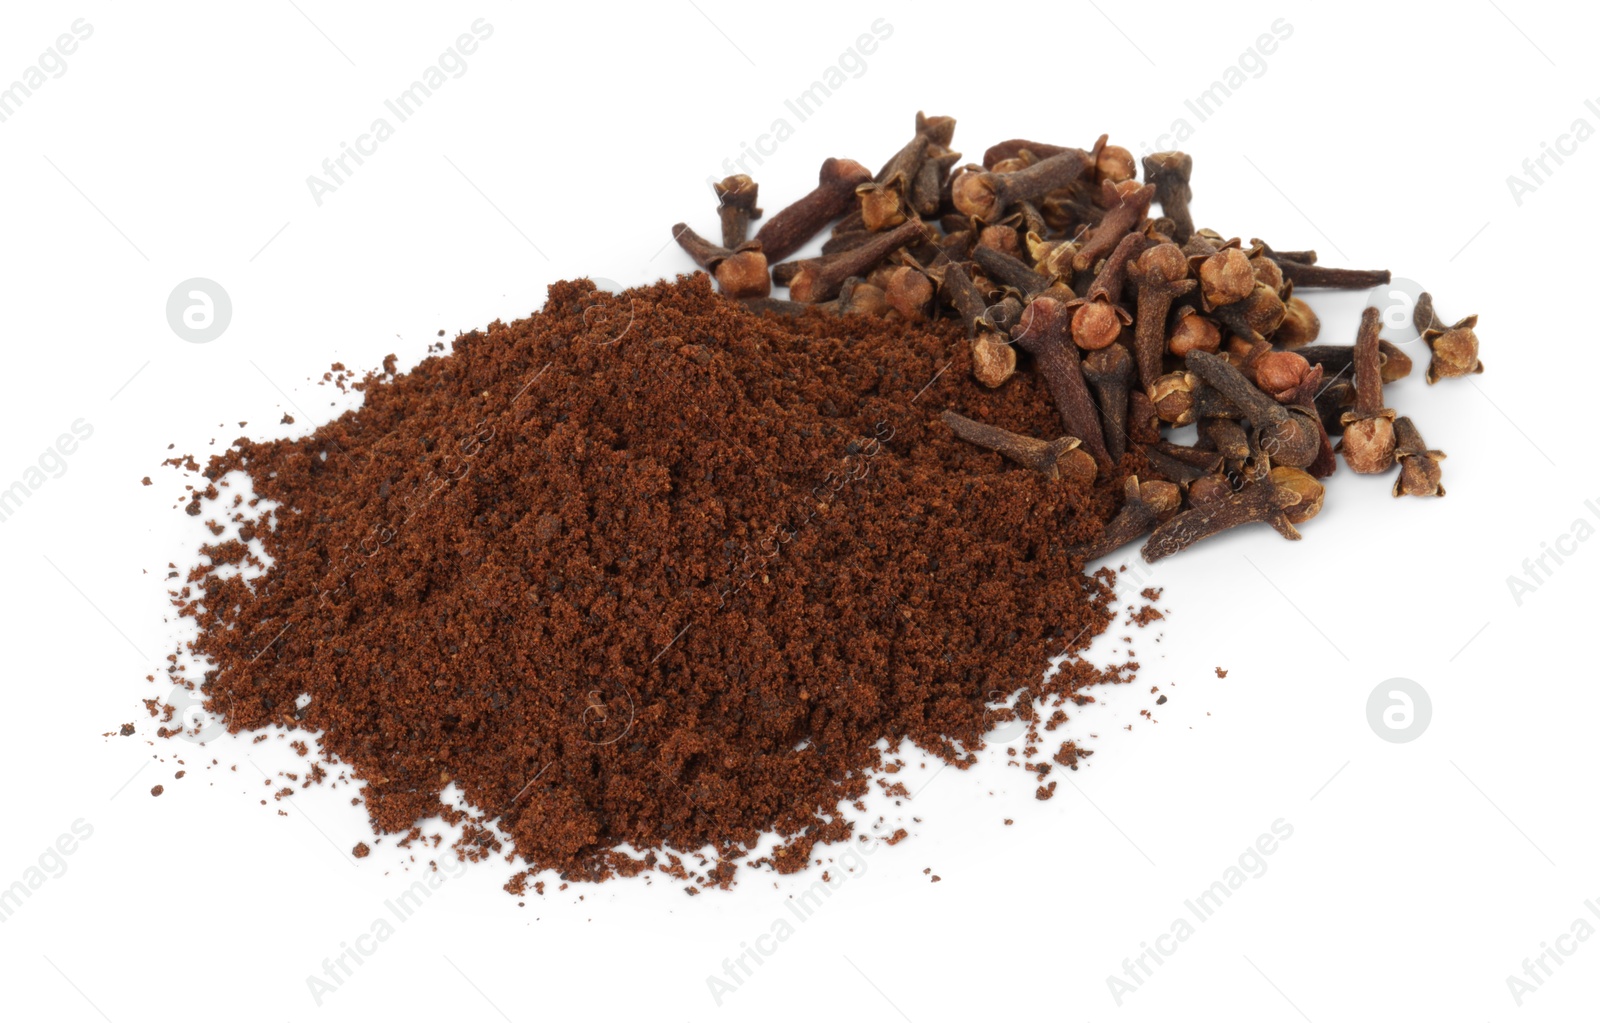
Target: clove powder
<point>649,575</point>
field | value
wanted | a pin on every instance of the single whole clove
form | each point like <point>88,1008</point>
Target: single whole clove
<point>1169,173</point>
<point>1191,331</point>
<point>884,199</point>
<point>1300,325</point>
<point>1260,502</point>
<point>1419,464</point>
<point>1063,458</point>
<point>1045,333</point>
<point>1291,435</point>
<point>1181,465</point>
<point>987,195</point>
<point>909,293</point>
<point>740,273</point>
<point>1454,348</point>
<point>1310,492</point>
<point>993,357</point>
<point>1160,275</point>
<point>1144,426</point>
<point>1129,208</point>
<point>928,187</point>
<point>1336,360</point>
<point>1172,394</point>
<point>1226,436</point>
<point>1308,275</point>
<point>1144,506</point>
<point>1110,372</point>
<point>1255,317</point>
<point>1010,272</point>
<point>819,279</point>
<point>736,204</point>
<point>1280,373</point>
<point>1368,444</point>
<point>790,228</point>
<point>1226,276</point>
<point>1098,318</point>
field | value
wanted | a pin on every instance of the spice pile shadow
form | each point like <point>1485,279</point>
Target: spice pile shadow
<point>649,574</point>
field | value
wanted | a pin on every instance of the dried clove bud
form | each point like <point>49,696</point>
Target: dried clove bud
<point>1226,436</point>
<point>1161,275</point>
<point>1307,275</point>
<point>789,229</point>
<point>1126,208</point>
<point>819,279</point>
<point>740,274</point>
<point>1110,372</point>
<point>1144,426</point>
<point>1303,484</point>
<point>1169,173</point>
<point>1300,325</point>
<point>736,204</point>
<point>1255,317</point>
<point>1144,506</point>
<point>1455,348</point>
<point>1172,394</point>
<point>986,195</point>
<point>1010,272</point>
<point>1063,458</point>
<point>1192,332</point>
<point>1280,373</point>
<point>1181,465</point>
<point>1260,502</point>
<point>1368,444</point>
<point>1419,465</point>
<point>909,292</point>
<point>883,199</point>
<point>1225,276</point>
<point>1098,318</point>
<point>1291,435</point>
<point>1044,332</point>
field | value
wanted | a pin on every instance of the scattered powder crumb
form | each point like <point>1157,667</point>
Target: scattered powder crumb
<point>1221,673</point>
<point>157,790</point>
<point>1145,615</point>
<point>361,851</point>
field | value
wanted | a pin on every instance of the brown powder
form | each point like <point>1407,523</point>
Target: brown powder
<point>649,570</point>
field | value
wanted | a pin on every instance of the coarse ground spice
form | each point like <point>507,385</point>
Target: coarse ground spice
<point>649,575</point>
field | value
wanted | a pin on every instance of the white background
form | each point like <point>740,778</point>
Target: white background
<point>1418,876</point>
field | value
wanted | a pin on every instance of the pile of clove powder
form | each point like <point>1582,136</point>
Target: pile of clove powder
<point>665,581</point>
